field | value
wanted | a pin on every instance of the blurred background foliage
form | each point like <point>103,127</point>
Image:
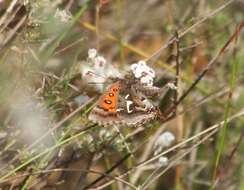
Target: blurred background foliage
<point>43,45</point>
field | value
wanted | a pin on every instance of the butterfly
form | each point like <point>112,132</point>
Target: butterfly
<point>125,102</point>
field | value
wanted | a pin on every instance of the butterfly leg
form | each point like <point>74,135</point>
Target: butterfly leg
<point>131,103</point>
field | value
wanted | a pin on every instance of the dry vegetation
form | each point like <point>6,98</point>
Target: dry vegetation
<point>46,139</point>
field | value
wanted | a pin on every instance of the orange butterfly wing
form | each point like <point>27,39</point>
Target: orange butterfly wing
<point>108,101</point>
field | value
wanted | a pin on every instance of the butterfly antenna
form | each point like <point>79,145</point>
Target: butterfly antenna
<point>98,75</point>
<point>96,82</point>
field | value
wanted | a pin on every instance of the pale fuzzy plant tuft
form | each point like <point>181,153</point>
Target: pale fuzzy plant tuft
<point>163,141</point>
<point>31,118</point>
<point>63,15</point>
<point>143,72</point>
<point>163,161</point>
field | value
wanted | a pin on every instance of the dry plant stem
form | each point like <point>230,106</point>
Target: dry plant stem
<point>191,46</point>
<point>193,157</point>
<point>187,13</point>
<point>34,55</point>
<point>97,17</point>
<point>47,43</point>
<point>68,46</point>
<point>40,89</point>
<point>11,17</point>
<point>236,146</point>
<point>49,132</point>
<point>177,71</point>
<point>69,4</point>
<point>135,132</point>
<point>144,163</point>
<point>146,153</point>
<point>196,172</point>
<point>179,118</point>
<point>7,12</point>
<point>14,30</point>
<point>169,11</point>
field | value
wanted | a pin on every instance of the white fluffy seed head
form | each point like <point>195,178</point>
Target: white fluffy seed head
<point>165,139</point>
<point>163,161</point>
